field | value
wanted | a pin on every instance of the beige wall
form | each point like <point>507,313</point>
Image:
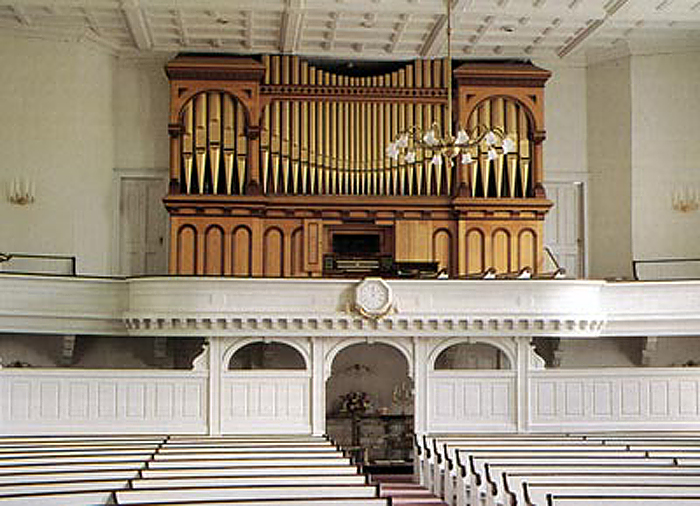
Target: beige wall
<point>56,103</point>
<point>141,108</point>
<point>565,153</point>
<point>609,153</point>
<point>665,154</point>
<point>78,113</point>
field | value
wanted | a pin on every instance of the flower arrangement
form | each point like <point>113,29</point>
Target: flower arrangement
<point>355,403</point>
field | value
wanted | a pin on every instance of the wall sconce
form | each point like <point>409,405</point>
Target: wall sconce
<point>686,200</point>
<point>21,191</point>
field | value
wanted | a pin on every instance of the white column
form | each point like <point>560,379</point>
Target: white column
<point>215,370</point>
<point>420,384</point>
<point>522,388</point>
<point>318,387</point>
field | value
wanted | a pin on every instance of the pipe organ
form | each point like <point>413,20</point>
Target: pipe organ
<point>273,158</point>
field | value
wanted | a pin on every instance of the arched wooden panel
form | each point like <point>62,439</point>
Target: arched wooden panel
<point>273,252</point>
<point>241,249</point>
<point>298,252</point>
<point>527,249</point>
<point>500,249</point>
<point>214,251</point>
<point>508,175</point>
<point>214,145</point>
<point>442,248</point>
<point>187,250</point>
<point>476,251</point>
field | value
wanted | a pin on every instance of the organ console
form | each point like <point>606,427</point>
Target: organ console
<point>273,158</point>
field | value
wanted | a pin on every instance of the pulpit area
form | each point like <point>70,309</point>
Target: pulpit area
<point>285,167</point>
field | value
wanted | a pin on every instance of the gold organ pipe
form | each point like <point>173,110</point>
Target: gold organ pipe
<point>200,138</point>
<point>313,167</point>
<point>214,138</point>
<point>188,145</point>
<point>274,145</point>
<point>304,151</point>
<point>294,140</point>
<point>498,114</point>
<point>485,119</point>
<point>334,139</point>
<point>241,148</point>
<point>474,167</point>
<point>327,133</point>
<point>364,140</point>
<point>229,141</point>
<point>512,133</point>
<point>384,142</point>
<point>286,145</point>
<point>376,147</point>
<point>523,128</point>
<point>265,146</point>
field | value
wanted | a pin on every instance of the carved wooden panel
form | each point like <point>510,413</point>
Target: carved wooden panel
<point>214,250</point>
<point>273,253</point>
<point>242,251</point>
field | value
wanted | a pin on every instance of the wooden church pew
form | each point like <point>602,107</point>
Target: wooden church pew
<point>247,462</point>
<point>637,500</point>
<point>515,485</point>
<point>320,501</point>
<point>57,477</point>
<point>247,481</point>
<point>537,494</point>
<point>445,472</point>
<point>252,471</point>
<point>473,486</point>
<point>92,498</point>
<point>194,495</point>
<point>73,486</point>
<point>500,478</point>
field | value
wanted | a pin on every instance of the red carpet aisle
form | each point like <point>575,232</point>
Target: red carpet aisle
<point>404,492</point>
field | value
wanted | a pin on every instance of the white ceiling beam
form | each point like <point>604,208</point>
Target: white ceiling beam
<point>21,14</point>
<point>290,27</point>
<point>182,29</point>
<point>136,21</point>
<point>610,9</point>
<point>438,34</point>
<point>248,29</point>
<point>91,21</point>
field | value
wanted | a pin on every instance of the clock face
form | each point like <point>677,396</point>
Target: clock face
<point>373,297</point>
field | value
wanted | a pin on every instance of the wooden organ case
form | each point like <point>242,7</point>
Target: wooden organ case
<point>280,168</point>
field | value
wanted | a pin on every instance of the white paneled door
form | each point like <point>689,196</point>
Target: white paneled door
<point>564,227</point>
<point>143,223</point>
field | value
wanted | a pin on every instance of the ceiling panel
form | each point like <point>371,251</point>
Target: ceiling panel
<point>360,29</point>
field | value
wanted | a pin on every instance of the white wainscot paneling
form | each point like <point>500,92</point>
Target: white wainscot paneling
<point>615,399</point>
<point>463,401</point>
<point>74,401</point>
<point>266,402</point>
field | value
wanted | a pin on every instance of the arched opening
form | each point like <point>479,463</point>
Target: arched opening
<point>472,356</point>
<point>472,387</point>
<point>266,389</point>
<point>369,404</point>
<point>261,355</point>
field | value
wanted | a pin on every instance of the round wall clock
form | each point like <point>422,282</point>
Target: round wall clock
<point>373,297</point>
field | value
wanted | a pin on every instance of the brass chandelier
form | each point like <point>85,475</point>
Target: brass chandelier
<point>447,147</point>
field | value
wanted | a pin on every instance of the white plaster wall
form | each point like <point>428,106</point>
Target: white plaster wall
<point>565,151</point>
<point>599,352</point>
<point>141,107</point>
<point>56,102</point>
<point>372,368</point>
<point>609,117</point>
<point>675,352</point>
<point>45,351</point>
<point>666,153</point>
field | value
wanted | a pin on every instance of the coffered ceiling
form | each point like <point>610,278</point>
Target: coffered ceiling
<point>361,29</point>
